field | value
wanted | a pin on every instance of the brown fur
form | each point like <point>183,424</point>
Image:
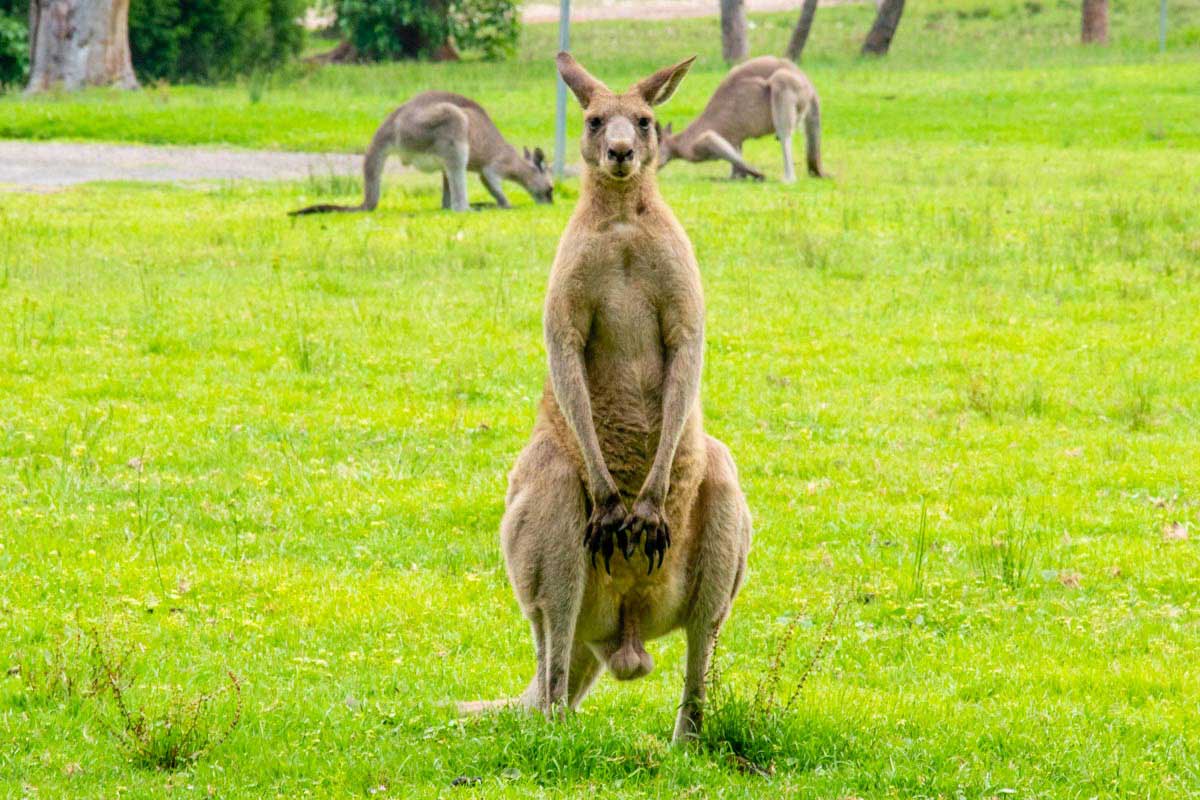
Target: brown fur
<point>764,96</point>
<point>619,464</point>
<point>451,133</point>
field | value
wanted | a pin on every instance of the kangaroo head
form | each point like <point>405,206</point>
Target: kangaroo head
<point>620,135</point>
<point>538,181</point>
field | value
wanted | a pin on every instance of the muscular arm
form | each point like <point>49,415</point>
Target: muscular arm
<point>684,340</point>
<point>566,324</point>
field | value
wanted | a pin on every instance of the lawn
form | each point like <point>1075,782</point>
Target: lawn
<point>961,381</point>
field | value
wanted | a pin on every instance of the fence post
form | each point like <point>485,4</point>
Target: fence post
<point>560,113</point>
<point>1162,26</point>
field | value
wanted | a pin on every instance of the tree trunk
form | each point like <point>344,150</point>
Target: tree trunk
<point>77,43</point>
<point>1095,22</point>
<point>803,26</point>
<point>733,31</point>
<point>880,38</point>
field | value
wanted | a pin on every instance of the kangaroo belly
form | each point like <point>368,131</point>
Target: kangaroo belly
<point>425,162</point>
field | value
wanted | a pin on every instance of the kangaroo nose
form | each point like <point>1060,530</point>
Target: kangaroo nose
<point>620,152</point>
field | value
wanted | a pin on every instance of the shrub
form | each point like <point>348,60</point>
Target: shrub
<point>382,30</point>
<point>387,30</point>
<point>490,27</point>
<point>14,49</point>
<point>207,40</point>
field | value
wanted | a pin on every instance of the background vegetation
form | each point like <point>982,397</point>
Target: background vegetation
<point>14,43</point>
<point>961,382</point>
<point>180,40</point>
<point>386,30</point>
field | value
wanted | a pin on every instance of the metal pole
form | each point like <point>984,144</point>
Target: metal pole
<point>1162,26</point>
<point>560,114</point>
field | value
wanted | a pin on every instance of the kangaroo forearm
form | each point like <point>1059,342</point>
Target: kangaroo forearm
<point>680,389</point>
<point>571,392</point>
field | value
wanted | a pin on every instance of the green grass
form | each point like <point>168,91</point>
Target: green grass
<point>961,382</point>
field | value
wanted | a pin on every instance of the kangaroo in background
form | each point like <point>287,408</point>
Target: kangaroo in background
<point>619,465</point>
<point>765,95</point>
<point>451,133</point>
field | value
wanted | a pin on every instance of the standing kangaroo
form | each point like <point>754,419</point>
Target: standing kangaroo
<point>619,464</point>
<point>765,95</point>
<point>448,132</point>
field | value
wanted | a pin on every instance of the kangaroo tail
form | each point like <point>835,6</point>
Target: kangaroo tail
<point>324,208</point>
<point>812,138</point>
<point>377,154</point>
<point>527,699</point>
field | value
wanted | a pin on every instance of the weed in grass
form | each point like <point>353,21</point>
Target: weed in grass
<point>180,732</point>
<point>144,526</point>
<point>1033,401</point>
<point>1009,552</point>
<point>513,744</point>
<point>300,346</point>
<point>981,395</point>
<point>56,674</point>
<point>332,184</point>
<point>757,732</point>
<point>1136,406</point>
<point>918,553</point>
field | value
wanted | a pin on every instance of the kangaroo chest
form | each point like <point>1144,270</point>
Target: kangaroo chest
<point>624,342</point>
<point>625,356</point>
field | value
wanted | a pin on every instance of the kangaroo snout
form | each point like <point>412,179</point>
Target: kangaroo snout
<point>620,153</point>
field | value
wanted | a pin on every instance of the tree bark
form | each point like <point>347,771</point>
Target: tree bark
<point>1095,22</point>
<point>886,20</point>
<point>803,26</point>
<point>77,43</point>
<point>733,31</point>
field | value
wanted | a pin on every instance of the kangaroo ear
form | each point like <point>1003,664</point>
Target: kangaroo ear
<point>659,87</point>
<point>578,79</point>
<point>668,129</point>
<point>528,156</point>
<point>539,158</point>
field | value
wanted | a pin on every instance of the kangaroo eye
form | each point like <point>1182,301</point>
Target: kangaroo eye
<point>594,124</point>
<point>644,123</point>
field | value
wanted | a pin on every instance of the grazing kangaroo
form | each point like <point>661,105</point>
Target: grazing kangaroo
<point>619,465</point>
<point>448,132</point>
<point>765,95</point>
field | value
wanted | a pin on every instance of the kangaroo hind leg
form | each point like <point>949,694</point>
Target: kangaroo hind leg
<point>542,536</point>
<point>441,130</point>
<point>785,97</point>
<point>723,523</point>
<point>711,145</point>
<point>455,155</point>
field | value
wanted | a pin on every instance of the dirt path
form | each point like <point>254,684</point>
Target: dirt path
<point>46,165</point>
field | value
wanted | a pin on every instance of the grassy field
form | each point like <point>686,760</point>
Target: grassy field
<point>961,381</point>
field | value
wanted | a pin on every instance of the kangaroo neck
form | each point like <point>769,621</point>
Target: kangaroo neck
<point>509,165</point>
<point>610,200</point>
<point>684,142</point>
